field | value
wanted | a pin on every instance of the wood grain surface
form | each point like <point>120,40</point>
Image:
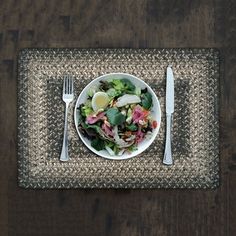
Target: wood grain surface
<point>117,23</point>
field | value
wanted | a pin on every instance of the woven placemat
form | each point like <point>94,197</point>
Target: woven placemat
<point>41,119</point>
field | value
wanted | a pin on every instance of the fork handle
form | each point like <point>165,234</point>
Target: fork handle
<point>64,152</point>
<point>168,160</point>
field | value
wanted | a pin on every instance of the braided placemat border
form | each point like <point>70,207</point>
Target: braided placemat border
<point>195,130</point>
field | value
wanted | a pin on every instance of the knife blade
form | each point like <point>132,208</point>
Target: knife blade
<point>168,160</point>
<point>169,91</point>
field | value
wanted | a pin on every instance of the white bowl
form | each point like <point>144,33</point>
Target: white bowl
<point>155,112</point>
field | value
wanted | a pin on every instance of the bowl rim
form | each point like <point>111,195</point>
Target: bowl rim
<point>116,157</point>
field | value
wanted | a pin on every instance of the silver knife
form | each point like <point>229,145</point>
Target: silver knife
<point>168,160</point>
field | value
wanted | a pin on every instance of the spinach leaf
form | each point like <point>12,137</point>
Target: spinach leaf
<point>115,117</point>
<point>98,144</point>
<point>94,127</point>
<point>128,85</point>
<point>146,100</point>
<point>104,85</point>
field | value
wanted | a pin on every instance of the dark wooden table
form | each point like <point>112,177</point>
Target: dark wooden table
<point>118,23</point>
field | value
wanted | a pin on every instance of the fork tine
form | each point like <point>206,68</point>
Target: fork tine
<point>72,85</point>
<point>67,83</point>
<point>64,85</point>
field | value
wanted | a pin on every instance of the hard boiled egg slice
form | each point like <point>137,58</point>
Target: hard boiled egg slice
<point>100,100</point>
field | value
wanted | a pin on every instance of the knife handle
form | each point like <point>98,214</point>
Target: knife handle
<point>168,160</point>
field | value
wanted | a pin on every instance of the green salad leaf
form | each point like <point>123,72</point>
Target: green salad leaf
<point>96,128</point>
<point>113,92</point>
<point>105,85</point>
<point>118,84</point>
<point>114,116</point>
<point>132,127</point>
<point>86,109</point>
<point>128,86</point>
<point>113,146</point>
<point>98,144</point>
<point>133,148</point>
<point>122,86</point>
<point>146,100</point>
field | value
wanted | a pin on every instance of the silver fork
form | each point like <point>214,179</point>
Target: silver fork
<point>67,97</point>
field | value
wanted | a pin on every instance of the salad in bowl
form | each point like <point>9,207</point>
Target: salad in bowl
<point>117,116</point>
